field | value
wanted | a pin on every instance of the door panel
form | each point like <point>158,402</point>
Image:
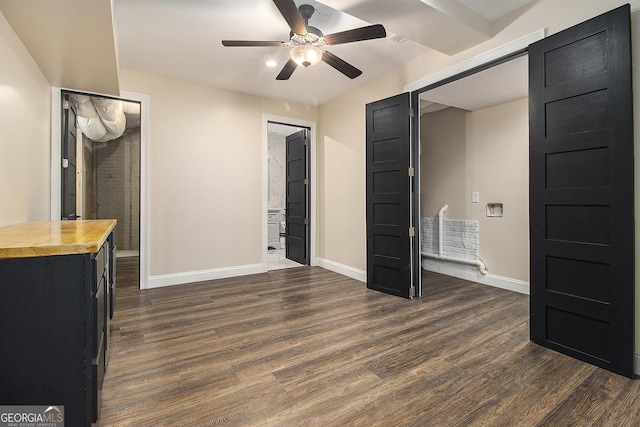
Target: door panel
<point>389,258</point>
<point>581,192</point>
<point>297,219</point>
<point>69,161</point>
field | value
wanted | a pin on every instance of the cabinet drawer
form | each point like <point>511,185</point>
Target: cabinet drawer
<point>100,263</point>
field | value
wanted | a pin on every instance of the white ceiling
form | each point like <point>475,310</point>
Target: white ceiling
<point>182,39</point>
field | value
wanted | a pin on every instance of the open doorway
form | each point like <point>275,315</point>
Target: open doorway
<point>288,211</point>
<point>474,165</point>
<point>579,127</point>
<point>102,137</point>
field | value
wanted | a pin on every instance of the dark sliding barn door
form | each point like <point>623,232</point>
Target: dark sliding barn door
<point>297,218</point>
<point>389,233</point>
<point>581,192</point>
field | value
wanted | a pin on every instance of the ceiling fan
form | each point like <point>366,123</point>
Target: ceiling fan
<point>307,43</point>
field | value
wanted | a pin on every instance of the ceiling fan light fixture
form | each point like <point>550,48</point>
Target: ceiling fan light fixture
<point>306,43</point>
<point>306,55</point>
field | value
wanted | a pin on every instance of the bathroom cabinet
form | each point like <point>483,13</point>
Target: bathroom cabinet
<point>55,290</point>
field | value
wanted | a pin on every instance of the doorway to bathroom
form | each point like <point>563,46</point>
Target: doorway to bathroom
<point>288,195</point>
<point>101,167</point>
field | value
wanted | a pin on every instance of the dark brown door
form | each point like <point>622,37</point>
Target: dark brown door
<point>68,160</point>
<point>581,192</point>
<point>297,210</point>
<point>389,257</point>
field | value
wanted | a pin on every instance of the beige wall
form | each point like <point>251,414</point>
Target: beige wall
<point>341,162</point>
<point>25,123</point>
<point>205,173</point>
<point>485,151</point>
<point>443,163</point>
<point>498,168</point>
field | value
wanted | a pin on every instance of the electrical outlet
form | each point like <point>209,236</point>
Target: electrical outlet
<point>475,197</point>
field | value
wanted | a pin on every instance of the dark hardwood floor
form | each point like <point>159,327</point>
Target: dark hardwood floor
<point>306,346</point>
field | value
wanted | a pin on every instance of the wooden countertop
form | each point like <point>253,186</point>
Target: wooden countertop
<point>33,239</point>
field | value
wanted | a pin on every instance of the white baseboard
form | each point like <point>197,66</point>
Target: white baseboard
<point>345,270</point>
<point>202,275</point>
<point>462,272</point>
<point>470,273</point>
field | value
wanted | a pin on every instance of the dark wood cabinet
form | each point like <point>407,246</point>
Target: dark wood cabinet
<point>54,314</point>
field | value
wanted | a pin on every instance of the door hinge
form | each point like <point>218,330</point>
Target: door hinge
<point>306,181</point>
<point>412,171</point>
<point>412,232</point>
<point>412,112</point>
<point>65,104</point>
<point>306,141</point>
<point>306,221</point>
<point>65,163</point>
<point>412,292</point>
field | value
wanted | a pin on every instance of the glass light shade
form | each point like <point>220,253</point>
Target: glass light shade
<point>306,55</point>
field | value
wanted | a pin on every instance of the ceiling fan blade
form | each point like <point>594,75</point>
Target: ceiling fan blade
<point>289,12</point>
<point>249,43</point>
<point>340,65</point>
<point>287,70</point>
<point>376,31</point>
